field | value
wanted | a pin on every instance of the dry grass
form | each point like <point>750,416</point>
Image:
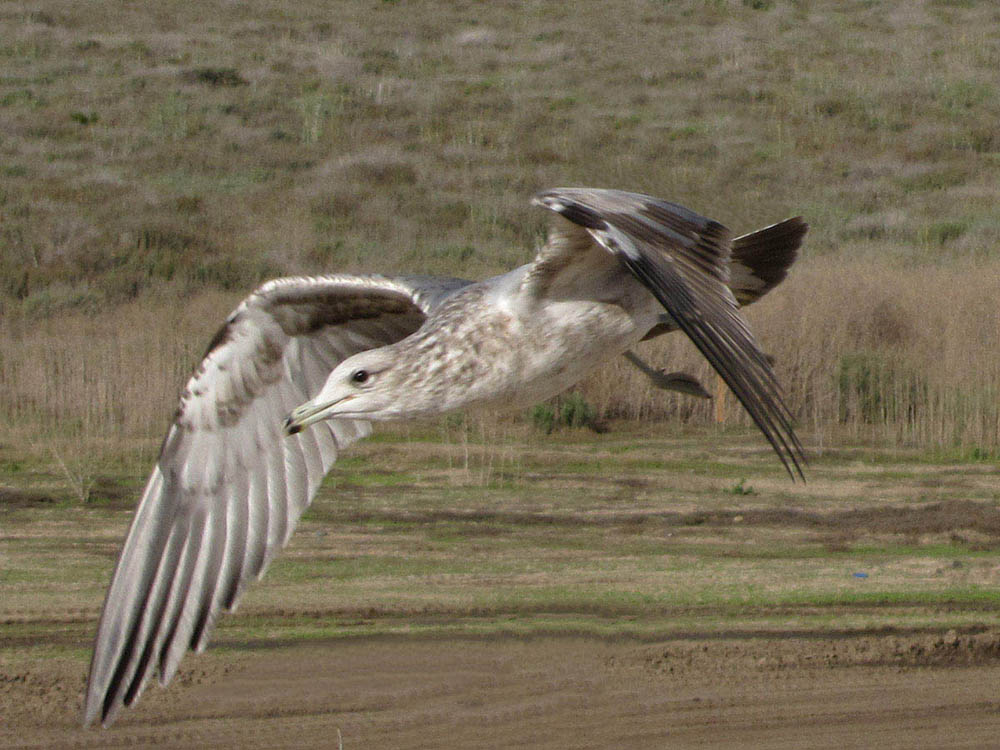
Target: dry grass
<point>867,350</point>
<point>146,156</point>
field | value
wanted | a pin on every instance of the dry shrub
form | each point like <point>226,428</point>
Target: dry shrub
<point>864,349</point>
<point>408,139</point>
<point>115,376</point>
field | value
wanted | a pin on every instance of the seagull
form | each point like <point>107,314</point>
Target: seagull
<point>303,366</point>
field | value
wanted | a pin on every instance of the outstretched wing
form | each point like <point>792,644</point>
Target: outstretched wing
<point>229,486</point>
<point>683,259</point>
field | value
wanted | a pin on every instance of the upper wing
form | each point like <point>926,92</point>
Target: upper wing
<point>229,486</point>
<point>683,259</point>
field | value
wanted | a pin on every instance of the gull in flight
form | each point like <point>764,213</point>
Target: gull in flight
<point>303,366</point>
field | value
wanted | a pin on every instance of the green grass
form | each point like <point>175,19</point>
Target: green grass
<point>557,552</point>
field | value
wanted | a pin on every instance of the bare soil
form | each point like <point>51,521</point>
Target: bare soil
<point>887,690</point>
<point>838,670</point>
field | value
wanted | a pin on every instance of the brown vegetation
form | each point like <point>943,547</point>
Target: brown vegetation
<point>147,158</point>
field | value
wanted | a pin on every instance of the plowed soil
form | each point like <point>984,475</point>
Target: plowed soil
<point>916,690</point>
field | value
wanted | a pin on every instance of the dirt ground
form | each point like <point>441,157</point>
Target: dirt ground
<point>914,690</point>
<point>908,658</point>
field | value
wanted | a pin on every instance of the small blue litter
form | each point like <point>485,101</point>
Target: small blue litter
<point>860,575</point>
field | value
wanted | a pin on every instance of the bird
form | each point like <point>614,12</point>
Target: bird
<point>303,366</point>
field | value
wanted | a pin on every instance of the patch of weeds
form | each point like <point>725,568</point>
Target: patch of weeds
<point>189,204</point>
<point>11,467</point>
<point>386,172</point>
<point>543,417</point>
<point>758,4</point>
<point>214,77</point>
<point>141,50</point>
<point>326,254</point>
<point>942,232</point>
<point>983,140</point>
<point>41,17</point>
<point>455,253</point>
<point>19,96</point>
<point>685,131</point>
<point>983,454</point>
<point>576,412</point>
<point>232,273</point>
<point>830,107</point>
<point>316,108</point>
<point>60,297</point>
<point>172,119</point>
<point>567,411</point>
<point>741,488</point>
<point>484,84</point>
<point>84,118</point>
<point>959,97</point>
<point>448,215</point>
<point>563,102</point>
<point>379,61</point>
<point>622,123</point>
<point>934,180</point>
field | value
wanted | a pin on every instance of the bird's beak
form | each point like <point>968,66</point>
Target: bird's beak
<point>310,412</point>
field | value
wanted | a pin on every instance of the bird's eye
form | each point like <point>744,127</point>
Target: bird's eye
<point>359,376</point>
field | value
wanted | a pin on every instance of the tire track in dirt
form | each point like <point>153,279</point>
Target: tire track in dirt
<point>894,691</point>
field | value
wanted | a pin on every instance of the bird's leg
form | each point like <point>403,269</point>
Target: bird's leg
<point>669,381</point>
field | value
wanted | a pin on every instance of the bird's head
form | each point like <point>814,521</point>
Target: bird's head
<point>360,387</point>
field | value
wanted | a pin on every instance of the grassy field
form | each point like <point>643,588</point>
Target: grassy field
<point>149,156</point>
<point>636,534</point>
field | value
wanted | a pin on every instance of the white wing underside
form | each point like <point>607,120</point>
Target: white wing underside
<point>229,486</point>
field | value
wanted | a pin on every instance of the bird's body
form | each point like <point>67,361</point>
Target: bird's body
<point>335,353</point>
<point>461,357</point>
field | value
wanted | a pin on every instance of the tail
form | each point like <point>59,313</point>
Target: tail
<point>761,259</point>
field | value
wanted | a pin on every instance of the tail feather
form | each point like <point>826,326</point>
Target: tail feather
<point>761,259</point>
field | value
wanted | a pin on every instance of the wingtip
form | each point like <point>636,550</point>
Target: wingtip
<point>99,714</point>
<point>92,708</point>
<point>795,461</point>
